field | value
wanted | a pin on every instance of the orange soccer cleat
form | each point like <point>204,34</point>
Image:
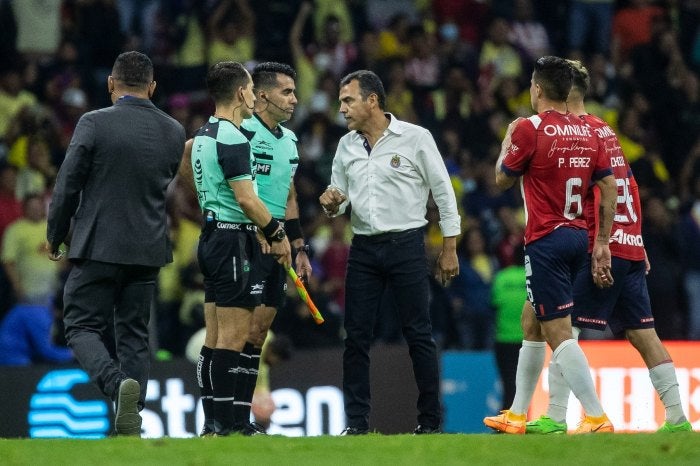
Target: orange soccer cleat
<point>507,422</point>
<point>594,425</point>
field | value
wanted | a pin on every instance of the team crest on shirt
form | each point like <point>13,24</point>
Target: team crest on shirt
<point>395,161</point>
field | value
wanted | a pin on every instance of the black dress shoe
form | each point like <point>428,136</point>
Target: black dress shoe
<point>354,431</point>
<point>421,429</point>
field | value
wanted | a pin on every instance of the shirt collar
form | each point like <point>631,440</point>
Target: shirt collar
<point>276,131</point>
<point>395,126</point>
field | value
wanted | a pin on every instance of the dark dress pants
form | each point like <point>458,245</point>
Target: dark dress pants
<point>105,303</point>
<point>395,260</point>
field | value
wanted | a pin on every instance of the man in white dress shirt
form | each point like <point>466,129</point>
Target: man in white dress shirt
<point>386,169</point>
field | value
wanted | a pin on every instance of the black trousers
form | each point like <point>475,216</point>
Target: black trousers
<point>106,311</point>
<point>395,260</point>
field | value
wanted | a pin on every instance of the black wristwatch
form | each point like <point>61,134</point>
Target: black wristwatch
<point>305,248</point>
<point>278,235</point>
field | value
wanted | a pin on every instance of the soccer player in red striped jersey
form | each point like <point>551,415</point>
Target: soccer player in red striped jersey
<point>559,157</point>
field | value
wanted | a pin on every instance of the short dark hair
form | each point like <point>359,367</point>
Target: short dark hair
<point>134,69</point>
<point>582,80</point>
<point>369,84</point>
<point>265,74</point>
<point>555,76</point>
<point>224,78</point>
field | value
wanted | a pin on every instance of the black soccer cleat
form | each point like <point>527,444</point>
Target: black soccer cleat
<point>421,429</point>
<point>354,431</point>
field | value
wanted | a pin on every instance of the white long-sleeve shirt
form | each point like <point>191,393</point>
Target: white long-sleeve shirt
<point>388,188</point>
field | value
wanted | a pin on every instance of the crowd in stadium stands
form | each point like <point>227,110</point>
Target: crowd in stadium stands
<point>458,67</point>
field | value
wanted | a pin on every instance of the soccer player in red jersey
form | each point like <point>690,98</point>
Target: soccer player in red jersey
<point>558,157</point>
<point>625,306</point>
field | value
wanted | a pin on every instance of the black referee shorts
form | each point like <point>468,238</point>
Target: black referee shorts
<point>230,261</point>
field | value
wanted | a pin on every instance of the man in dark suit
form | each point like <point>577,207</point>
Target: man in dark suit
<point>112,186</point>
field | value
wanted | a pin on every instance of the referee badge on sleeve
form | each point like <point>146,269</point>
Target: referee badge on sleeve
<point>395,161</point>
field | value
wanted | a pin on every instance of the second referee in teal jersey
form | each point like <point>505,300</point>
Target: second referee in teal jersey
<point>229,254</point>
<point>275,150</point>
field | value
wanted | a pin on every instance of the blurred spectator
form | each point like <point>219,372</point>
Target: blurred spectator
<point>13,97</point>
<point>34,279</point>
<point>665,280</point>
<point>368,51</point>
<point>511,240</point>
<point>470,17</point>
<point>603,89</point>
<point>632,26</point>
<point>589,26</point>
<point>340,10</point>
<point>455,51</point>
<point>10,210</point>
<point>25,337</point>
<point>479,133</point>
<point>73,104</point>
<point>59,73</point>
<point>484,202</point>
<point>381,14</point>
<point>273,28</point>
<point>307,75</point>
<point>423,64</point>
<point>10,205</point>
<point>498,58</point>
<point>179,108</point>
<point>318,135</point>
<point>471,291</point>
<point>527,32</point>
<point>454,154</point>
<point>393,38</point>
<point>137,20</point>
<point>184,26</point>
<point>422,69</point>
<point>330,53</point>
<point>39,173</point>
<point>95,28</point>
<point>511,100</point>
<point>399,97</point>
<point>38,27</point>
<point>231,30</point>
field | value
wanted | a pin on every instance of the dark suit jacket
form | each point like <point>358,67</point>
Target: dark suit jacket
<point>112,183</point>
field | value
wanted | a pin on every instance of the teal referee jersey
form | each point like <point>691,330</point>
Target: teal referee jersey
<point>221,153</point>
<point>276,162</point>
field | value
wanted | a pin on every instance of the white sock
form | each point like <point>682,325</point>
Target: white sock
<point>558,388</point>
<point>574,368</point>
<point>558,393</point>
<point>663,378</point>
<point>530,362</point>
